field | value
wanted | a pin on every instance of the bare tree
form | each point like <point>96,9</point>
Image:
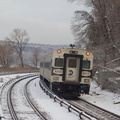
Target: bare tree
<point>36,57</point>
<point>85,28</point>
<point>6,54</point>
<point>100,27</point>
<point>106,13</point>
<point>19,39</point>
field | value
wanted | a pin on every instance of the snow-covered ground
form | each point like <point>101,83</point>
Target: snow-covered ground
<point>3,80</point>
<point>49,108</point>
<point>52,109</point>
<point>102,98</point>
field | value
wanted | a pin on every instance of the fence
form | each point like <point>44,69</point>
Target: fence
<point>108,79</point>
<point>18,72</point>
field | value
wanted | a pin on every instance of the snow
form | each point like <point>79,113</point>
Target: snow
<point>21,104</point>
<point>3,80</point>
<point>102,98</point>
<point>48,105</point>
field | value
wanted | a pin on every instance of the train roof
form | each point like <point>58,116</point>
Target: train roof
<point>71,51</point>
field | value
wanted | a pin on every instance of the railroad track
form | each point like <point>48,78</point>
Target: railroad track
<point>95,111</point>
<point>69,106</point>
<point>80,107</point>
<point>42,117</point>
<point>19,107</point>
<point>5,95</point>
<point>12,110</point>
<point>84,109</point>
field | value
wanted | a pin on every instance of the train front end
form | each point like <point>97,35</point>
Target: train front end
<point>71,72</point>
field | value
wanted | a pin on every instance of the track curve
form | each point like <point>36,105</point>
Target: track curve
<point>31,103</point>
<point>9,98</point>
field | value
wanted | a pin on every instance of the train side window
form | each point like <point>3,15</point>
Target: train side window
<point>59,62</point>
<point>86,64</point>
<point>72,63</point>
<point>41,64</point>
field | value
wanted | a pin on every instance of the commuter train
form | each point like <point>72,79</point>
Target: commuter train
<point>68,71</point>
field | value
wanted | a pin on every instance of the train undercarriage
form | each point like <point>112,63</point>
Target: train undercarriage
<point>67,89</point>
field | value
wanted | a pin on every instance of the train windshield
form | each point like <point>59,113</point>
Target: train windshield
<point>72,63</point>
<point>86,64</point>
<point>59,62</point>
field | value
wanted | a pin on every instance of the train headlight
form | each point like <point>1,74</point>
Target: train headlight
<point>87,53</point>
<point>58,51</point>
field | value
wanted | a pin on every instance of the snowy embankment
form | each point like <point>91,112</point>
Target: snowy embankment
<point>104,99</point>
<point>101,98</point>
<point>44,103</point>
<point>51,109</point>
<point>3,80</point>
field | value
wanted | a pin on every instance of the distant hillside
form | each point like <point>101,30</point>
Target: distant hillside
<point>29,50</point>
<point>44,48</point>
<point>30,47</point>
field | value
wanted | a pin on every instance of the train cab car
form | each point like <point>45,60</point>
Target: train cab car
<point>68,71</point>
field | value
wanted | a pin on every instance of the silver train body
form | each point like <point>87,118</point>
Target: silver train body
<point>67,72</point>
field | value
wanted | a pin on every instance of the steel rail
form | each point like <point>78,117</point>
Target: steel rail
<point>77,109</point>
<point>9,99</point>
<point>95,111</point>
<point>64,103</point>
<point>31,103</point>
<point>105,111</point>
<point>10,105</point>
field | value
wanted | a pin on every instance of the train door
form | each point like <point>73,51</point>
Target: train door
<point>73,67</point>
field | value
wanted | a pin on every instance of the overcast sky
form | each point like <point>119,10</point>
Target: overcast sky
<point>46,21</point>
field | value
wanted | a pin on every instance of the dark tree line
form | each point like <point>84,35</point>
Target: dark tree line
<point>6,54</point>
<point>99,29</point>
